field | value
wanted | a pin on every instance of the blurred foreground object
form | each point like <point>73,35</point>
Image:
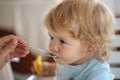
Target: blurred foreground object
<point>38,65</point>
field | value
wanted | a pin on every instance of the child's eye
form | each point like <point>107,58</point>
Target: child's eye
<point>51,37</point>
<point>62,41</point>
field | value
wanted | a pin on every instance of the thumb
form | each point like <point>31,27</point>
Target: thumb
<point>10,46</point>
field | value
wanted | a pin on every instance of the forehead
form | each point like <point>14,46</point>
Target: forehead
<point>61,34</point>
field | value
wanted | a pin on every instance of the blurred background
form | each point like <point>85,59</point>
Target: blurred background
<point>24,18</point>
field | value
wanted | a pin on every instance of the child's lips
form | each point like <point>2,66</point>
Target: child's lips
<point>52,55</point>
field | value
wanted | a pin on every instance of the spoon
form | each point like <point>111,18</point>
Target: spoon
<point>41,51</point>
<point>45,52</point>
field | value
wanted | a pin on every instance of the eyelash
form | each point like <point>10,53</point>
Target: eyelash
<point>61,41</point>
<point>51,38</point>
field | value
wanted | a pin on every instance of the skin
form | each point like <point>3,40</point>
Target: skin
<point>66,49</point>
<point>10,48</point>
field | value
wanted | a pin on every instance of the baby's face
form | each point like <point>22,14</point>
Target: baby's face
<point>66,49</point>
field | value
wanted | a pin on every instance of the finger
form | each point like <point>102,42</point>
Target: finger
<point>33,69</point>
<point>21,46</point>
<point>6,39</point>
<point>21,53</point>
<point>20,40</point>
<point>11,46</point>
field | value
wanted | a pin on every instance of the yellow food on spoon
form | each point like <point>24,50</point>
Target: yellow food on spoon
<point>38,65</point>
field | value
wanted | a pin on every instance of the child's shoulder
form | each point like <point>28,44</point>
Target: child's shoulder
<point>96,65</point>
<point>97,69</point>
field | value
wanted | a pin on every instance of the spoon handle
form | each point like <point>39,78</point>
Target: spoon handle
<point>41,51</point>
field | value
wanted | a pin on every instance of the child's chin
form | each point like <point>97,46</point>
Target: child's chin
<point>62,63</point>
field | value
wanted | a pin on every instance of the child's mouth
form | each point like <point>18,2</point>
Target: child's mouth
<point>52,55</point>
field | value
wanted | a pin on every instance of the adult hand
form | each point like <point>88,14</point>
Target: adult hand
<point>10,48</point>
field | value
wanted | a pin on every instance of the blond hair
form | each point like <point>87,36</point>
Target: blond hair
<point>89,20</point>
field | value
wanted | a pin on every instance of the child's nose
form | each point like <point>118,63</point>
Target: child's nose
<point>54,47</point>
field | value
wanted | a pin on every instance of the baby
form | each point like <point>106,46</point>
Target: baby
<point>80,37</point>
